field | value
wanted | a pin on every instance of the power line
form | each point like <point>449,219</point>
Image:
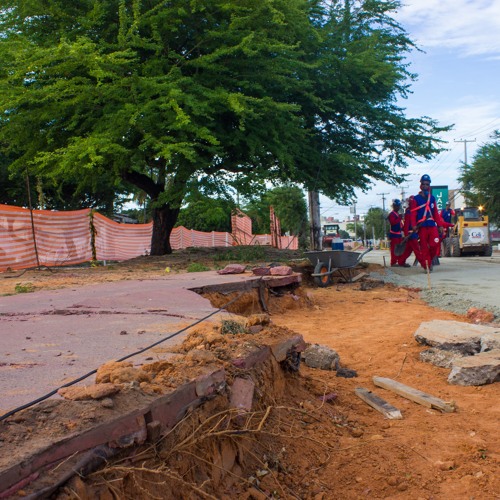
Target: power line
<point>482,129</point>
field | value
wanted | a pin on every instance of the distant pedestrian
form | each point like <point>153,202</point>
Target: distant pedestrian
<point>395,234</point>
<point>425,216</point>
<point>447,214</point>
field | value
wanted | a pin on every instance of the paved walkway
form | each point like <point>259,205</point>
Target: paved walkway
<point>472,278</point>
<point>49,338</point>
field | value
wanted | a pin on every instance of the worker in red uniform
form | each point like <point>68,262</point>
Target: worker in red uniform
<point>447,215</point>
<point>412,244</point>
<point>395,234</point>
<point>424,215</point>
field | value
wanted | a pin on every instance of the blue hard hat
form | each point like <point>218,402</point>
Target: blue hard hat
<point>425,178</point>
<point>396,202</point>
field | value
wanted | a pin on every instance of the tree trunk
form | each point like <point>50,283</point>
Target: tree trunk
<point>314,214</point>
<point>164,219</point>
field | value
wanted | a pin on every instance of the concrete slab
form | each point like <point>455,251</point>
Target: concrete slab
<point>48,338</point>
<point>481,369</point>
<point>464,338</point>
<point>490,341</point>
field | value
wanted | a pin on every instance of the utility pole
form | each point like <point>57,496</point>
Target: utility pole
<point>315,219</point>
<point>403,193</point>
<point>353,211</point>
<point>355,224</point>
<point>465,141</point>
<point>383,208</point>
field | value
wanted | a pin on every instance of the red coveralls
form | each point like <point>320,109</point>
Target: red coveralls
<point>412,244</point>
<point>395,220</point>
<point>424,212</point>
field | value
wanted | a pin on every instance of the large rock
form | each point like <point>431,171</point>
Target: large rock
<point>281,271</point>
<point>483,368</point>
<point>453,335</point>
<point>232,269</point>
<point>322,357</point>
<point>490,341</point>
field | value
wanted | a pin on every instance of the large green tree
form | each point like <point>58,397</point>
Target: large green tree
<point>482,178</point>
<point>156,94</point>
<point>374,223</point>
<point>289,204</point>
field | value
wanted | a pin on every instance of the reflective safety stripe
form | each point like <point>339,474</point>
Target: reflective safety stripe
<point>427,211</point>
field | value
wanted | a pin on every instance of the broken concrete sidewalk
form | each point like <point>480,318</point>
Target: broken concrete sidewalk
<point>481,369</point>
<point>471,351</point>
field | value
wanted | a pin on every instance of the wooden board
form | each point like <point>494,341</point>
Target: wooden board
<point>378,403</point>
<point>414,394</point>
<point>358,277</point>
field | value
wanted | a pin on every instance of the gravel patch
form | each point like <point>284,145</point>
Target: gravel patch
<point>447,300</point>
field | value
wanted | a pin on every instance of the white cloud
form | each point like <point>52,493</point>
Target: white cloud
<point>472,26</point>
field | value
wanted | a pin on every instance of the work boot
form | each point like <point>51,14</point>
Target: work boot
<point>404,265</point>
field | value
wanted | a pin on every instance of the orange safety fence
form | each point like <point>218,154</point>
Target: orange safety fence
<point>61,238</point>
<point>241,226</point>
<point>116,241</point>
<point>65,238</point>
<point>184,238</point>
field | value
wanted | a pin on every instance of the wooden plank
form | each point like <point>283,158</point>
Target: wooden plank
<point>358,276</point>
<point>414,394</point>
<point>378,403</point>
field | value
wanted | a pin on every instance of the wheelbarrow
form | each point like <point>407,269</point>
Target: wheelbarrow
<point>328,262</point>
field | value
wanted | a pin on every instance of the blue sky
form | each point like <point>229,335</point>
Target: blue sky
<point>458,83</point>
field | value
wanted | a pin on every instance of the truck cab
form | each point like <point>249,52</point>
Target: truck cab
<point>330,231</point>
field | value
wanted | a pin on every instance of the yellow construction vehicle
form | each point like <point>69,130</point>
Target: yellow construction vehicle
<point>470,235</point>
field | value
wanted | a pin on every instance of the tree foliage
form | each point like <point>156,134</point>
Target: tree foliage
<point>205,213</point>
<point>289,205</point>
<point>356,229</point>
<point>482,178</point>
<point>155,94</point>
<point>374,223</point>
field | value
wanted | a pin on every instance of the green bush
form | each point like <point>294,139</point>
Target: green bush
<point>243,254</point>
<point>232,327</point>
<point>24,287</point>
<point>196,267</point>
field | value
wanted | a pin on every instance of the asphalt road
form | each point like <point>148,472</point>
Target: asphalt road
<point>474,278</point>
